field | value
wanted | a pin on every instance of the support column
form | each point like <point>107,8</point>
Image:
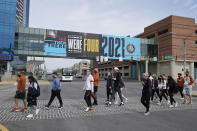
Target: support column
<point>146,65</point>
<point>138,71</point>
<point>173,69</point>
<point>158,69</point>
<point>8,66</point>
<point>191,69</point>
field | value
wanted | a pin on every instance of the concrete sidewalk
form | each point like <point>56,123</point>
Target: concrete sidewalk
<point>5,83</point>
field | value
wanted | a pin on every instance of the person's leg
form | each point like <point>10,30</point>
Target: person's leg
<point>25,103</point>
<point>120,94</point>
<point>184,94</point>
<point>53,94</point>
<point>108,92</point>
<point>59,98</point>
<point>16,101</point>
<point>143,99</point>
<point>171,99</point>
<point>152,95</point>
<point>147,102</point>
<point>165,94</point>
<point>181,91</point>
<point>89,100</point>
<point>85,98</point>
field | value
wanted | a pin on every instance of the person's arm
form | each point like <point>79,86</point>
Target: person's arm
<point>57,84</point>
<point>191,80</point>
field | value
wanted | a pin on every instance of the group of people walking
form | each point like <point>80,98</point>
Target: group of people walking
<point>153,88</point>
<point>165,87</point>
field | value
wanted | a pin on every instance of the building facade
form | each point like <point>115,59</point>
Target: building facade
<point>12,13</point>
<point>170,33</point>
<point>81,68</point>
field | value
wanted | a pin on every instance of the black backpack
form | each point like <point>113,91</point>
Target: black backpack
<point>37,91</point>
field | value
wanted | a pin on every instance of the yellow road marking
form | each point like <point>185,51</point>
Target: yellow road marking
<point>3,128</point>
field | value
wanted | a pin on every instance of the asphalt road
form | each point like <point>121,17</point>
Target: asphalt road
<point>73,118</point>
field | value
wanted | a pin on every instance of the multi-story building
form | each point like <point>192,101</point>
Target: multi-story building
<point>12,13</point>
<point>81,67</point>
<point>171,34</point>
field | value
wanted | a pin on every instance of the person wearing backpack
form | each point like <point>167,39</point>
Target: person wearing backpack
<point>33,93</point>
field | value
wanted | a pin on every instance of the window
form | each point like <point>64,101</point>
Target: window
<point>163,32</point>
<point>196,32</point>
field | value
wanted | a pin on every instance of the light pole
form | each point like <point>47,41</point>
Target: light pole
<point>184,55</point>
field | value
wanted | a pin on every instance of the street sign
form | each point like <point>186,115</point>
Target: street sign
<point>169,57</point>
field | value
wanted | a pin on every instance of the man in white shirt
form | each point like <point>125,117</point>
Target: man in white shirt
<point>89,87</point>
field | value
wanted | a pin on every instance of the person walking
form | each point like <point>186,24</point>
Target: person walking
<point>96,83</point>
<point>20,92</point>
<point>173,89</point>
<point>155,87</point>
<point>188,81</point>
<point>116,86</point>
<point>146,93</point>
<point>163,89</point>
<point>89,89</point>
<point>122,88</point>
<point>180,82</point>
<point>109,87</point>
<point>32,96</point>
<point>56,89</point>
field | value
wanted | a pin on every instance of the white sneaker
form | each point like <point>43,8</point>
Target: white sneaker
<point>168,102</point>
<point>147,113</point>
<point>171,106</point>
<point>37,111</point>
<point>126,99</point>
<point>176,104</point>
<point>109,103</point>
<point>159,103</point>
<point>182,98</point>
<point>87,109</point>
<point>30,116</point>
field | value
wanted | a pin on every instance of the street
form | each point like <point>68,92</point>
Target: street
<point>72,116</point>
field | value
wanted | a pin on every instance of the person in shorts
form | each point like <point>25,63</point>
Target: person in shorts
<point>188,81</point>
<point>20,92</point>
<point>96,83</point>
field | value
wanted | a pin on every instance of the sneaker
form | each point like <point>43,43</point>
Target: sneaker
<point>60,107</point>
<point>88,109</point>
<point>176,104</point>
<point>30,116</point>
<point>181,98</point>
<point>47,107</point>
<point>121,104</point>
<point>22,110</point>
<point>171,106</point>
<point>159,103</point>
<point>15,109</point>
<point>184,102</point>
<point>37,111</point>
<point>190,103</point>
<point>95,104</point>
<point>147,113</point>
<point>168,102</point>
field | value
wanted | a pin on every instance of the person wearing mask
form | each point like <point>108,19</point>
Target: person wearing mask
<point>188,81</point>
<point>180,82</point>
<point>116,86</point>
<point>89,89</point>
<point>172,90</point>
<point>31,96</point>
<point>155,87</point>
<point>109,86</point>
<point>146,93</point>
<point>96,83</point>
<point>21,92</point>
<point>56,89</point>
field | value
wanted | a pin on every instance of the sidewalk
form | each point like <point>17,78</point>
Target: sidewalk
<point>5,83</point>
<point>194,93</point>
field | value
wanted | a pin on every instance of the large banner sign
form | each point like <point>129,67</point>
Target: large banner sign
<point>115,47</point>
<point>55,43</point>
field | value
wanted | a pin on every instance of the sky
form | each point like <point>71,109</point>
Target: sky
<point>113,17</point>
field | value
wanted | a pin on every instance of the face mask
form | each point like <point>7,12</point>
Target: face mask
<point>19,75</point>
<point>186,74</point>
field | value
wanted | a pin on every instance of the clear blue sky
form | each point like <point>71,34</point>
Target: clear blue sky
<point>116,17</point>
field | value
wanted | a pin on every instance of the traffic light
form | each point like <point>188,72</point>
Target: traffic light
<point>131,58</point>
<point>162,57</point>
<point>148,58</point>
<point>175,57</point>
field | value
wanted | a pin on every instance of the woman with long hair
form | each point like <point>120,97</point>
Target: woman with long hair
<point>172,90</point>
